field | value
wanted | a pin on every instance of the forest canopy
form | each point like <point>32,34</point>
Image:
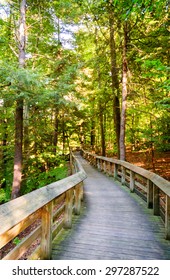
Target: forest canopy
<point>89,73</point>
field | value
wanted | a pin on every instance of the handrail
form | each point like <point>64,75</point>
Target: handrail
<point>154,189</point>
<point>52,205</point>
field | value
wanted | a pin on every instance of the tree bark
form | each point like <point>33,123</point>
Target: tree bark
<point>56,124</point>
<point>92,135</point>
<point>17,174</point>
<point>124,96</point>
<point>115,80</point>
<point>26,130</point>
<point>4,151</point>
<point>102,130</point>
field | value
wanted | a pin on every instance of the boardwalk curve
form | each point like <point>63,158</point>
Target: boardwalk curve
<point>114,224</point>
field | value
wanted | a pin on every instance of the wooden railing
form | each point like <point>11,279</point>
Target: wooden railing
<point>152,188</point>
<point>49,208</point>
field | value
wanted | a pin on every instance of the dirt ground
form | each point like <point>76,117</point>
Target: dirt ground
<point>160,165</point>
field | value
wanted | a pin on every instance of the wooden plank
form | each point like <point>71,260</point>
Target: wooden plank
<point>18,251</point>
<point>57,228</point>
<point>132,181</point>
<point>155,200</point>
<point>167,218</point>
<point>36,255</point>
<point>59,199</point>
<point>149,194</point>
<point>58,212</point>
<point>77,202</point>
<point>68,209</point>
<point>13,232</point>
<point>140,186</point>
<point>111,171</point>
<point>115,171</point>
<point>98,163</point>
<point>46,234</point>
<point>123,175</point>
<point>82,191</point>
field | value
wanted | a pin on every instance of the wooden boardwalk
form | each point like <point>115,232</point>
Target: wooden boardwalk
<point>114,224</point>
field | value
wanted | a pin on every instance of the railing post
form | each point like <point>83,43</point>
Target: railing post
<point>68,209</point>
<point>46,236</point>
<point>110,168</point>
<point>123,179</point>
<point>167,218</point>
<point>78,197</point>
<point>115,171</point>
<point>95,162</point>
<point>101,164</point>
<point>132,181</point>
<point>149,194</point>
<point>104,166</point>
<point>155,200</point>
<point>98,163</point>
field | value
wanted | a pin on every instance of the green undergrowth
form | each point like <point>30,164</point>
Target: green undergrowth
<point>38,171</point>
<point>41,179</point>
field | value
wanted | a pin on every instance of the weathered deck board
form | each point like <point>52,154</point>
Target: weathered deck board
<point>114,224</point>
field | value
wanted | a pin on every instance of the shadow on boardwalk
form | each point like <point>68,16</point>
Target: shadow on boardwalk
<point>114,224</point>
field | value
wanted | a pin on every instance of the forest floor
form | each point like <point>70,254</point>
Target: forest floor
<point>159,165</point>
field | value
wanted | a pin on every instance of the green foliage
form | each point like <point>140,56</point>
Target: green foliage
<point>43,170</point>
<point>16,241</point>
<point>3,197</point>
<point>67,92</point>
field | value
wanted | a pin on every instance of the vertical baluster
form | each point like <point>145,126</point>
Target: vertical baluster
<point>115,171</point>
<point>132,181</point>
<point>155,200</point>
<point>95,162</point>
<point>68,209</point>
<point>123,179</point>
<point>104,166</point>
<point>98,163</point>
<point>111,167</point>
<point>149,194</point>
<point>78,197</point>
<point>101,164</point>
<point>46,236</point>
<point>167,218</point>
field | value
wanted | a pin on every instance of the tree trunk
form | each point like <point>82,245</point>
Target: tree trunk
<point>92,135</point>
<point>101,121</point>
<point>4,152</point>
<point>115,80</point>
<point>56,123</point>
<point>102,130</point>
<point>63,133</point>
<point>124,97</point>
<point>17,175</point>
<point>16,185</point>
<point>26,130</point>
<point>151,148</point>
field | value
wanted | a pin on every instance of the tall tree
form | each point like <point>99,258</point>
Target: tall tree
<point>124,94</point>
<point>17,175</point>
<point>114,74</point>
